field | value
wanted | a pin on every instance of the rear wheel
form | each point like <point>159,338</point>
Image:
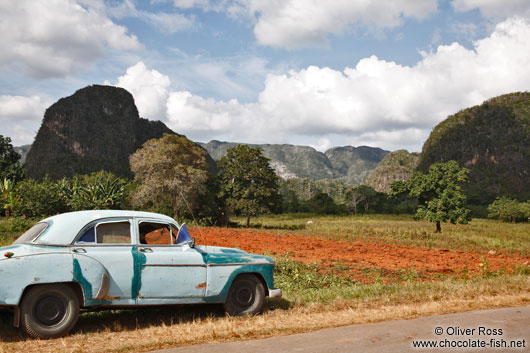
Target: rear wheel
<point>48,311</point>
<point>246,296</point>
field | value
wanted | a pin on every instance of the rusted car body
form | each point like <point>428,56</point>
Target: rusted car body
<point>108,258</point>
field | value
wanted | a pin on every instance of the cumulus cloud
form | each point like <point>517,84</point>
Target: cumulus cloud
<point>376,102</point>
<point>149,89</point>
<point>52,38</point>
<point>494,8</point>
<point>295,24</point>
<point>20,117</point>
<point>21,108</point>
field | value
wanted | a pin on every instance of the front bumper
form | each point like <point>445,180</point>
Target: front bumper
<point>275,293</point>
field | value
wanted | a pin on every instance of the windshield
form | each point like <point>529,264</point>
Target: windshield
<point>32,233</point>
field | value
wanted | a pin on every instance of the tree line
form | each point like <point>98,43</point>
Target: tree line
<point>172,176</point>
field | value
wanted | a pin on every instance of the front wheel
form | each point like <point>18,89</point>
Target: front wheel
<point>48,311</point>
<point>246,296</point>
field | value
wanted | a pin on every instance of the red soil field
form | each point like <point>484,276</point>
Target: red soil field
<point>359,259</point>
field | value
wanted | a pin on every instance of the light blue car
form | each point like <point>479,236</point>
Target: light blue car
<point>110,258</point>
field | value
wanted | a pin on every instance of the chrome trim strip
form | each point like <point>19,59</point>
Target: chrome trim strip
<point>168,265</point>
<point>243,264</point>
<point>212,265</point>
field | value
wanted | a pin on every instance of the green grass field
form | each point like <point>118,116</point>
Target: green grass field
<point>479,234</point>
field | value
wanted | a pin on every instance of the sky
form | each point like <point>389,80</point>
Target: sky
<point>304,72</point>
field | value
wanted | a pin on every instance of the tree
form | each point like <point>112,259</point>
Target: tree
<point>248,183</point>
<point>353,198</point>
<point>321,203</point>
<point>364,195</point>
<point>171,169</point>
<point>509,210</point>
<point>10,167</point>
<point>439,193</point>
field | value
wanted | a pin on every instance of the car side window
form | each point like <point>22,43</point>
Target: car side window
<point>88,237</point>
<point>113,233</point>
<point>155,233</point>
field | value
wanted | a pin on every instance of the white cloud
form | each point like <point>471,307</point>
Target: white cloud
<point>20,117</point>
<point>21,108</point>
<point>494,8</point>
<point>165,22</point>
<point>20,134</point>
<point>188,4</point>
<point>149,89</point>
<point>377,103</point>
<point>295,24</point>
<point>323,144</point>
<point>53,38</point>
<point>467,31</point>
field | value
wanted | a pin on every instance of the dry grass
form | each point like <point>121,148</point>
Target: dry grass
<point>127,332</point>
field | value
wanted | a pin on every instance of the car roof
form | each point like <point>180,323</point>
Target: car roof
<point>64,227</point>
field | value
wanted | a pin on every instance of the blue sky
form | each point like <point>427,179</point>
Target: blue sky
<point>318,73</point>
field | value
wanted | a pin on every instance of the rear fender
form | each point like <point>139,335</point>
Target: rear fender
<point>19,273</point>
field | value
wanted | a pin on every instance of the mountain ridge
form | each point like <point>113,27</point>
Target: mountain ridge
<point>347,163</point>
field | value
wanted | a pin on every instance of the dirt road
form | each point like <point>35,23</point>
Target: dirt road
<point>496,330</point>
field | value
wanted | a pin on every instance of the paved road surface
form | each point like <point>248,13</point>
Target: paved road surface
<point>490,328</point>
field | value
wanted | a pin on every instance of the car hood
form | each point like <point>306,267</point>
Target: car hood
<point>220,255</point>
<point>19,250</point>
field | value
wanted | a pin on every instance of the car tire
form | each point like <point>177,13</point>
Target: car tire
<point>245,297</point>
<point>49,310</point>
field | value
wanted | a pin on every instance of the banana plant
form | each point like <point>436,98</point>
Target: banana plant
<point>9,197</point>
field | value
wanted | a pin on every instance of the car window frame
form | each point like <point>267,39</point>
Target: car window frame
<point>157,222</point>
<point>96,222</point>
<point>35,237</point>
<point>160,221</point>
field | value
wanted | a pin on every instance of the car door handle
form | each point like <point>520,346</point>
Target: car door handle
<point>145,249</point>
<point>79,250</point>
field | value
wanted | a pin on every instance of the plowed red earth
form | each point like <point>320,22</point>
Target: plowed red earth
<point>363,260</point>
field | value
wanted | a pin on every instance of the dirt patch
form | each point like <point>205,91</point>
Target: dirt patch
<point>363,260</point>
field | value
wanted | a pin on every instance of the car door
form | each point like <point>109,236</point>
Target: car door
<point>168,271</point>
<point>109,243</point>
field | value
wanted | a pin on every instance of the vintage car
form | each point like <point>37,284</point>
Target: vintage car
<point>92,259</point>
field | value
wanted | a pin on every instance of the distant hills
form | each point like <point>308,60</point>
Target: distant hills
<point>98,127</point>
<point>493,141</point>
<point>396,166</point>
<point>348,164</point>
<point>23,152</point>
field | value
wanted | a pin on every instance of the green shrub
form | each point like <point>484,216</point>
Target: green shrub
<point>40,199</point>
<point>509,210</point>
<point>293,276</point>
<point>101,190</point>
<point>15,225</point>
